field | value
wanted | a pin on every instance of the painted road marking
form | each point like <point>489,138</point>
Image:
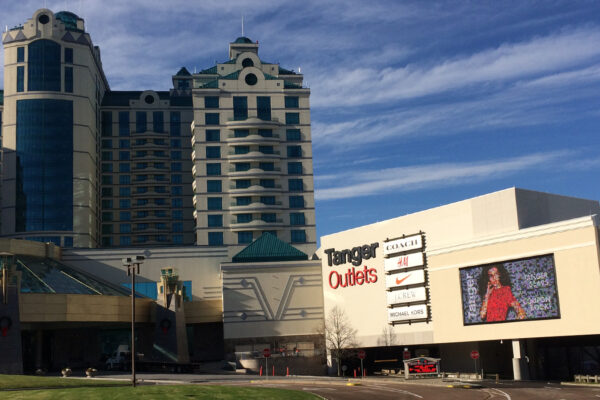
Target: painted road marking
<point>319,388</point>
<point>502,393</point>
<point>394,390</point>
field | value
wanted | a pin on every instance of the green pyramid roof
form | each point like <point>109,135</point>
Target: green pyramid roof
<point>269,248</point>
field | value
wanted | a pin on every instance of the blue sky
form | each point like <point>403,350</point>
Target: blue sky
<point>415,104</point>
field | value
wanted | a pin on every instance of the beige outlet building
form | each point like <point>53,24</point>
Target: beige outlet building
<point>546,244</point>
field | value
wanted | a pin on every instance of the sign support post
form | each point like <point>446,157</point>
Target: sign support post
<point>267,354</point>
<point>362,355</point>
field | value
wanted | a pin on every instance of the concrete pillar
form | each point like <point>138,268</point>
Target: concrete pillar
<point>520,367</point>
<point>39,349</point>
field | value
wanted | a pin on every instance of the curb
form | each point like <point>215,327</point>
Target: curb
<point>465,386</point>
<point>596,385</point>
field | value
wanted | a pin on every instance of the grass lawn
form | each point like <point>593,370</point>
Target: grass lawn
<point>161,392</point>
<point>29,381</point>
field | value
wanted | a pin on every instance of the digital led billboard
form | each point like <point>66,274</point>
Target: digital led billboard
<point>517,290</point>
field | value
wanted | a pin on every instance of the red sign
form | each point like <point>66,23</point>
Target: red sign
<point>474,354</point>
<point>362,355</point>
<point>424,368</point>
<point>267,353</point>
<point>406,355</point>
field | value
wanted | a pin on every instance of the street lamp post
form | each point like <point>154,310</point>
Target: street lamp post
<point>7,260</point>
<point>133,267</point>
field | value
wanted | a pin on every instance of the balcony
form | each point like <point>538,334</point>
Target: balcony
<point>253,155</point>
<point>252,138</point>
<point>253,123</point>
<point>254,206</point>
<point>254,224</point>
<point>254,172</point>
<point>254,189</point>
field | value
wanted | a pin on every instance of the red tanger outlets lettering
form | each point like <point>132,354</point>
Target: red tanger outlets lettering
<point>352,277</point>
<point>355,256</point>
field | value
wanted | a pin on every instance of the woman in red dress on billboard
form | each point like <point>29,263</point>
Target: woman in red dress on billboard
<point>498,297</point>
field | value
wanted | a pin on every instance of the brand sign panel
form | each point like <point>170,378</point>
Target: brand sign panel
<point>407,313</point>
<point>405,278</point>
<point>404,261</point>
<point>407,295</point>
<point>408,243</point>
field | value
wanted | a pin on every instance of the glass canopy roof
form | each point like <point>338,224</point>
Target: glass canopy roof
<point>45,275</point>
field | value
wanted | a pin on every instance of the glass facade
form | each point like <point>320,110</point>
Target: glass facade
<point>44,165</point>
<point>240,108</point>
<point>44,66</point>
<point>263,107</point>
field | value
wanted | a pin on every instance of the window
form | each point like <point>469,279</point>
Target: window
<point>163,202</point>
<point>296,201</point>
<point>125,228</point>
<point>176,190</point>
<point>295,185</point>
<point>244,237</point>
<point>124,215</point>
<point>213,186</point>
<point>292,118</point>
<point>142,214</point>
<point>20,79</point>
<point>213,152</point>
<point>20,54</point>
<point>175,143</point>
<point>215,220</point>
<point>297,219</point>
<point>106,144</point>
<point>215,238</point>
<point>107,179</point>
<point>176,202</point>
<point>238,133</point>
<point>214,203</point>
<point>267,183</point>
<point>69,79</point>
<point>123,155</point>
<point>268,200</point>
<point>266,149</point>
<point>211,102</point>
<point>240,108</point>
<point>293,135</point>
<point>141,178</point>
<point>175,123</point>
<point>295,168</point>
<point>141,123</point>
<point>107,241</point>
<point>125,203</point>
<point>106,123</point>
<point>240,167</point>
<point>268,217</point>
<point>213,135</point>
<point>243,201</point>
<point>44,66</point>
<point>213,169</point>
<point>177,214</point>
<point>68,55</point>
<point>244,218</point>
<point>106,204</point>
<point>241,149</point>
<point>211,119</point>
<point>124,167</point>
<point>177,227</point>
<point>123,123</point>
<point>123,143</point>
<point>107,228</point>
<point>106,155</point>
<point>107,192</point>
<point>263,108</point>
<point>242,183</point>
<point>124,179</point>
<point>298,236</point>
<point>291,102</point>
<point>265,132</point>
<point>176,179</point>
<point>107,167</point>
<point>176,155</point>
<point>125,240</point>
<point>158,121</point>
<point>107,216</point>
<point>294,151</point>
<point>176,166</point>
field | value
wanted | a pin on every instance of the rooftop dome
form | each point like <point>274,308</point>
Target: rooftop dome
<point>67,18</point>
<point>243,39</point>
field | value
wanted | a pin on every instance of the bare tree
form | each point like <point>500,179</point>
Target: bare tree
<point>388,337</point>
<point>340,336</point>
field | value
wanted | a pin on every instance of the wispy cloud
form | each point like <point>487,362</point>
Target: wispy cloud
<point>510,61</point>
<point>373,182</point>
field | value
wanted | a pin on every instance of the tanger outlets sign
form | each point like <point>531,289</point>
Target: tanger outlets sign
<point>354,257</point>
<point>406,279</point>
